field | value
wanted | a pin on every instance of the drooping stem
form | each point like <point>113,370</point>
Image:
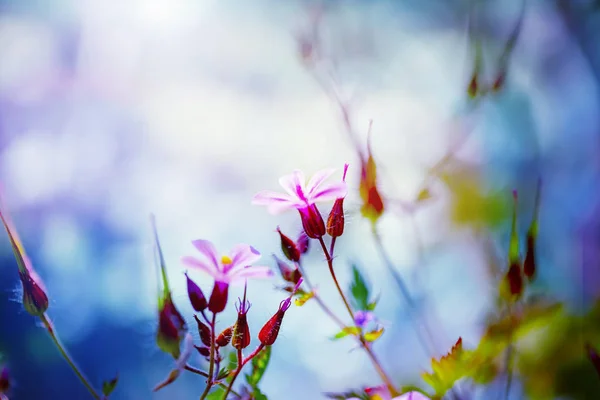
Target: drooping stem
<point>209,381</point>
<point>241,362</point>
<point>197,371</point>
<point>363,342</point>
<point>63,351</point>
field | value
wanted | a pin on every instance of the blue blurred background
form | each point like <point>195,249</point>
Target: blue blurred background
<point>112,110</point>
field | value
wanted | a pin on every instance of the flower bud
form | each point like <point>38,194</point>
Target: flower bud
<point>372,207</point>
<point>529,264</point>
<point>499,81</point>
<point>195,295</point>
<point>204,351</point>
<point>473,87</point>
<point>225,337</point>
<point>288,247</point>
<point>4,379</point>
<point>268,333</point>
<point>35,299</point>
<point>303,242</point>
<point>218,297</point>
<point>514,277</point>
<point>288,273</point>
<point>171,328</point>
<point>241,332</point>
<point>204,331</point>
<point>312,221</point>
<point>335,222</point>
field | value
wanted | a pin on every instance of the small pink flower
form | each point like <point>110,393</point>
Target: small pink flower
<point>228,269</point>
<point>300,194</point>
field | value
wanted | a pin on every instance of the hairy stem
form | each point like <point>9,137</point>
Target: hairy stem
<point>63,351</point>
<point>364,344</point>
<point>209,381</point>
<point>241,363</point>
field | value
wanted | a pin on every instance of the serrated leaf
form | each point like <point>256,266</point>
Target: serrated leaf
<point>301,300</point>
<point>449,369</point>
<point>349,330</point>
<point>109,386</point>
<point>374,335</point>
<point>259,365</point>
<point>359,289</point>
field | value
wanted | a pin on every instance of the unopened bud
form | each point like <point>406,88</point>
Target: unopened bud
<point>35,299</point>
<point>241,333</point>
<point>171,327</point>
<point>499,82</point>
<point>288,273</point>
<point>204,351</point>
<point>473,87</point>
<point>195,295</point>
<point>514,279</point>
<point>335,222</point>
<point>312,221</point>
<point>288,247</point>
<point>4,379</point>
<point>269,332</point>
<point>529,262</point>
<point>225,337</point>
<point>303,242</point>
<point>204,331</point>
<point>218,297</point>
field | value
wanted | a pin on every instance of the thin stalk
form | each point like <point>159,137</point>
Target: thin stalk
<point>197,371</point>
<point>241,363</point>
<point>63,351</point>
<point>365,345</point>
<point>209,381</point>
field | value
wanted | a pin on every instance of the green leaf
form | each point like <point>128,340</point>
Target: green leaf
<point>223,373</point>
<point>259,365</point>
<point>301,300</point>
<point>216,394</point>
<point>359,289</point>
<point>109,386</point>
<point>258,395</point>
<point>371,306</point>
<point>348,395</point>
<point>349,330</point>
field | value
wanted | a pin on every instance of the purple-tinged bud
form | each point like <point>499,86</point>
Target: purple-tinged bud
<point>241,332</point>
<point>288,247</point>
<point>303,242</point>
<point>204,351</point>
<point>195,295</point>
<point>204,331</point>
<point>35,299</point>
<point>171,328</point>
<point>4,379</point>
<point>225,337</point>
<point>312,221</point>
<point>218,297</point>
<point>288,273</point>
<point>335,221</point>
<point>269,332</point>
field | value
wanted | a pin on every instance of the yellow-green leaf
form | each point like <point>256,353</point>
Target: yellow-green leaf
<point>374,335</point>
<point>349,330</point>
<point>303,299</point>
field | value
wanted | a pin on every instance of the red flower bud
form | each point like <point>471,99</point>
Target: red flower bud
<point>204,331</point>
<point>303,242</point>
<point>288,247</point>
<point>473,87</point>
<point>171,327</point>
<point>288,273</point>
<point>4,380</point>
<point>225,337</point>
<point>515,279</point>
<point>204,351</point>
<point>335,222</point>
<point>241,333</point>
<point>499,81</point>
<point>268,333</point>
<point>195,295</point>
<point>218,297</point>
<point>35,299</point>
<point>529,262</point>
<point>312,222</point>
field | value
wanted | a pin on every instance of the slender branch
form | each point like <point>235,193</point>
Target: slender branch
<point>241,363</point>
<point>365,345</point>
<point>197,371</point>
<point>209,381</point>
<point>63,351</point>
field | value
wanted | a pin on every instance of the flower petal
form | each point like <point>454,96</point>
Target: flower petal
<point>316,180</point>
<point>294,184</point>
<point>244,255</point>
<point>254,272</point>
<point>276,202</point>
<point>208,249</point>
<point>329,192</point>
<point>197,264</point>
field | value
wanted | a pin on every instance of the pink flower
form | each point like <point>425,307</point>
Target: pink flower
<point>228,269</point>
<point>301,195</point>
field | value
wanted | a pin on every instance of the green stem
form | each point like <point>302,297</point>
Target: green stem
<point>241,363</point>
<point>365,345</point>
<point>209,381</point>
<point>63,351</point>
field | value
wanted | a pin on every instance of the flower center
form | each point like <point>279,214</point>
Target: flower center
<point>226,260</point>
